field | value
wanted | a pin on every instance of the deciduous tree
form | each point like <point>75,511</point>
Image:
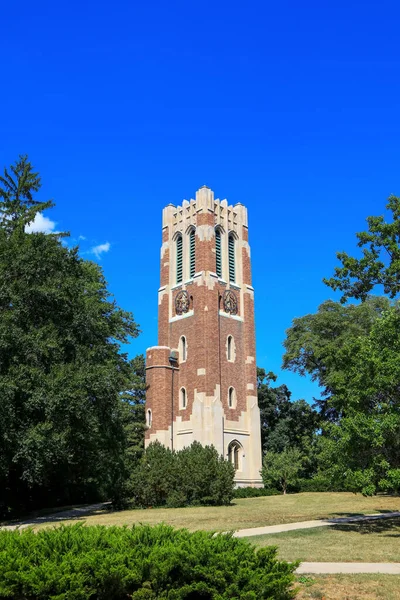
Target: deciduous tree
<point>61,368</point>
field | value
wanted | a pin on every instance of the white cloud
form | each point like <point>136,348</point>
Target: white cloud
<point>100,249</point>
<point>40,224</point>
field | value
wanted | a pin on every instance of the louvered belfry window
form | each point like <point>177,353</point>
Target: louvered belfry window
<point>179,261</point>
<point>231,251</point>
<point>218,258</point>
<point>192,253</point>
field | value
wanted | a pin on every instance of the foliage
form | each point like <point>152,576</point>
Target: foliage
<point>367,392</point>
<point>286,423</point>
<point>17,187</point>
<point>61,370</point>
<point>155,476</point>
<point>251,492</point>
<point>380,261</point>
<point>195,475</point>
<point>320,482</point>
<point>143,562</point>
<point>132,407</point>
<point>353,352</point>
<point>314,344</point>
<point>282,469</point>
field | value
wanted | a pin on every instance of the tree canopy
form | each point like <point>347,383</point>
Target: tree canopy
<point>353,352</point>
<point>61,368</point>
<point>284,423</point>
<point>380,261</point>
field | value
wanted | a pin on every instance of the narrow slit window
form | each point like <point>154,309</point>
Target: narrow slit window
<point>231,252</point>
<point>149,419</point>
<point>218,258</point>
<point>231,397</point>
<point>179,261</point>
<point>183,398</point>
<point>183,348</point>
<point>192,253</point>
<point>230,347</point>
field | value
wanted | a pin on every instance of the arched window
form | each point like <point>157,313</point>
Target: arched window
<point>231,397</point>
<point>179,259</point>
<point>183,349</point>
<point>218,256</point>
<point>234,454</point>
<point>231,254</point>
<point>183,398</point>
<point>149,418</point>
<point>230,348</point>
<point>192,253</point>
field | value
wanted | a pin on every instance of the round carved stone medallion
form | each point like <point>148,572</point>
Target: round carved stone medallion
<point>182,302</point>
<point>230,302</point>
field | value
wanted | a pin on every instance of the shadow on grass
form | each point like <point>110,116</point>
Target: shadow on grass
<point>388,526</point>
<point>71,514</point>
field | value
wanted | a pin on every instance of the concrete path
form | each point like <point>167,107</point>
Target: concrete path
<point>71,513</point>
<point>318,568</point>
<point>311,524</point>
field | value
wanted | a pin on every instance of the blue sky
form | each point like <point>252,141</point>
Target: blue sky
<point>291,108</point>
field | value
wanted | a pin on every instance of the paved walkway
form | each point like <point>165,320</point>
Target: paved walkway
<point>71,513</point>
<point>353,568</point>
<point>311,524</point>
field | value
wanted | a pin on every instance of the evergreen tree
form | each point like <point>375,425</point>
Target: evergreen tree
<point>61,369</point>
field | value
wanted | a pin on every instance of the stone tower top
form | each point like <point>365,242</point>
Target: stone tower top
<point>229,217</point>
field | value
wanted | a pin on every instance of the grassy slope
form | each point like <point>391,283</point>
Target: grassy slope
<point>372,541</point>
<point>349,587</point>
<point>253,512</point>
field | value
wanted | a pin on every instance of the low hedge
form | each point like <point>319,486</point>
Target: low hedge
<point>320,483</point>
<point>251,492</point>
<point>142,563</point>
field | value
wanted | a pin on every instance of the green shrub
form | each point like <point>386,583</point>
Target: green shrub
<point>319,483</point>
<point>196,475</point>
<point>204,476</point>
<point>143,562</point>
<point>155,476</point>
<point>250,492</point>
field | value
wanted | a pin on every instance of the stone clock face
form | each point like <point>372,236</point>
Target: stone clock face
<point>230,302</point>
<point>182,302</point>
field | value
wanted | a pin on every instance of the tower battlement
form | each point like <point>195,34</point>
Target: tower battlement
<point>201,378</point>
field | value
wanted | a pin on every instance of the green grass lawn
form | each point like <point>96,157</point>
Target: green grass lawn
<point>371,541</point>
<point>348,587</point>
<point>252,512</point>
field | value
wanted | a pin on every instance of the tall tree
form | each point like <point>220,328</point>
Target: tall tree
<point>380,261</point>
<point>61,369</point>
<point>366,440</point>
<point>285,423</point>
<point>314,342</point>
<point>133,402</point>
<point>282,469</point>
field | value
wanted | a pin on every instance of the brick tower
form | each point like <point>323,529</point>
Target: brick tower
<point>201,378</point>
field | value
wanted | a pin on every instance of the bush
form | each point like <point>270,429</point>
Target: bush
<point>144,562</point>
<point>196,475</point>
<point>251,492</point>
<point>319,483</point>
